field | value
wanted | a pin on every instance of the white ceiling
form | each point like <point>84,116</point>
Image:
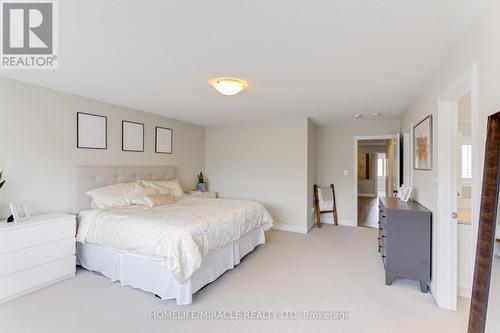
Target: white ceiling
<point>326,59</point>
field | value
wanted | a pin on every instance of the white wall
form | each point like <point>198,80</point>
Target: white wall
<point>336,154</point>
<point>480,45</point>
<point>264,161</point>
<point>38,145</point>
<point>312,170</point>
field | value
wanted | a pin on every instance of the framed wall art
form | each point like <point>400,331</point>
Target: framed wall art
<point>91,131</point>
<point>132,136</point>
<point>422,144</point>
<point>163,140</point>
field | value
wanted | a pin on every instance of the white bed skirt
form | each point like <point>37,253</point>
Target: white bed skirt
<point>149,275</point>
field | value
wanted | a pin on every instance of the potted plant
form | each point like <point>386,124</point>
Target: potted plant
<point>202,183</point>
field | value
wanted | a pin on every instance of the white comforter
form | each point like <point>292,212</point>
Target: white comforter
<point>179,235</point>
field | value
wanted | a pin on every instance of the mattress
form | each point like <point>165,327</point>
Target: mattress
<point>178,235</point>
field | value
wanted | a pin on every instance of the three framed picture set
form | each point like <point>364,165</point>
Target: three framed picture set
<point>92,133</point>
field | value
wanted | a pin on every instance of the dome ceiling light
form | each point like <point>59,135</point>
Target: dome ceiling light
<point>228,85</point>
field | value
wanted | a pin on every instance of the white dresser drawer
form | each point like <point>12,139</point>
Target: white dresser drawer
<point>20,283</point>
<point>16,261</point>
<point>36,234</point>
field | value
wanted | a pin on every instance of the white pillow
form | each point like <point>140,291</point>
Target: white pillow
<point>171,187</point>
<point>117,195</point>
<point>141,191</point>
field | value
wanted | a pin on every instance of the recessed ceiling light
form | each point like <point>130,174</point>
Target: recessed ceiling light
<point>357,116</point>
<point>376,114</point>
<point>229,85</point>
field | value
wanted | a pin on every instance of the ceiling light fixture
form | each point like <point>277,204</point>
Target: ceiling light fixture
<point>228,85</point>
<point>357,116</point>
<point>376,114</point>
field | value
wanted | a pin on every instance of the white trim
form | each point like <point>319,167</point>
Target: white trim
<point>355,167</point>
<point>445,289</point>
<point>328,219</point>
<point>291,228</point>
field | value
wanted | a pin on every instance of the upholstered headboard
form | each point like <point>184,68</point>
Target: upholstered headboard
<point>86,178</point>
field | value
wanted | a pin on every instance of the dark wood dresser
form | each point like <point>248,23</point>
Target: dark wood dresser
<point>404,240</point>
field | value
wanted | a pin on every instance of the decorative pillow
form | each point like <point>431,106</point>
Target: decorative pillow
<point>117,195</point>
<point>141,191</point>
<point>165,187</point>
<point>158,200</point>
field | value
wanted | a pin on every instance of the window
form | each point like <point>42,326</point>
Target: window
<point>381,165</point>
<point>467,161</point>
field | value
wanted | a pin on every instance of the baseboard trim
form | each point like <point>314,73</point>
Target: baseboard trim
<point>290,227</point>
<point>369,195</point>
<point>344,222</point>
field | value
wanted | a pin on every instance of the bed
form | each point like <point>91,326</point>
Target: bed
<point>172,250</point>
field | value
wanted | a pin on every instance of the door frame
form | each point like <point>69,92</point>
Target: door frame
<point>445,288</point>
<point>355,166</point>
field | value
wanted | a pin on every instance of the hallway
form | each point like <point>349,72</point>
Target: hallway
<point>368,212</point>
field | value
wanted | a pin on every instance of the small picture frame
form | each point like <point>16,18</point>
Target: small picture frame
<point>401,191</point>
<point>19,211</point>
<point>407,194</point>
<point>91,131</point>
<point>132,136</point>
<point>163,140</point>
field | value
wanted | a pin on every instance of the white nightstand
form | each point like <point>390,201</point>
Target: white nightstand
<point>36,253</point>
<point>207,194</point>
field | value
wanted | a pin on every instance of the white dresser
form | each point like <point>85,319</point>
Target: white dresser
<point>36,253</point>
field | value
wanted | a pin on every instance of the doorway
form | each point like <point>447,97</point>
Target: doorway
<point>376,175</point>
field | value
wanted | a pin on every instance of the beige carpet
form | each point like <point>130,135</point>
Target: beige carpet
<point>331,269</point>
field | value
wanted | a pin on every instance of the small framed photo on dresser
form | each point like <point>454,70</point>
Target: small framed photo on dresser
<point>19,211</point>
<point>91,131</point>
<point>132,136</point>
<point>163,140</point>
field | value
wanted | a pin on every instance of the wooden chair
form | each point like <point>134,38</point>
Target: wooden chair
<point>317,207</point>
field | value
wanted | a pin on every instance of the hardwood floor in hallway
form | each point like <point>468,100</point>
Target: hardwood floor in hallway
<point>368,212</point>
